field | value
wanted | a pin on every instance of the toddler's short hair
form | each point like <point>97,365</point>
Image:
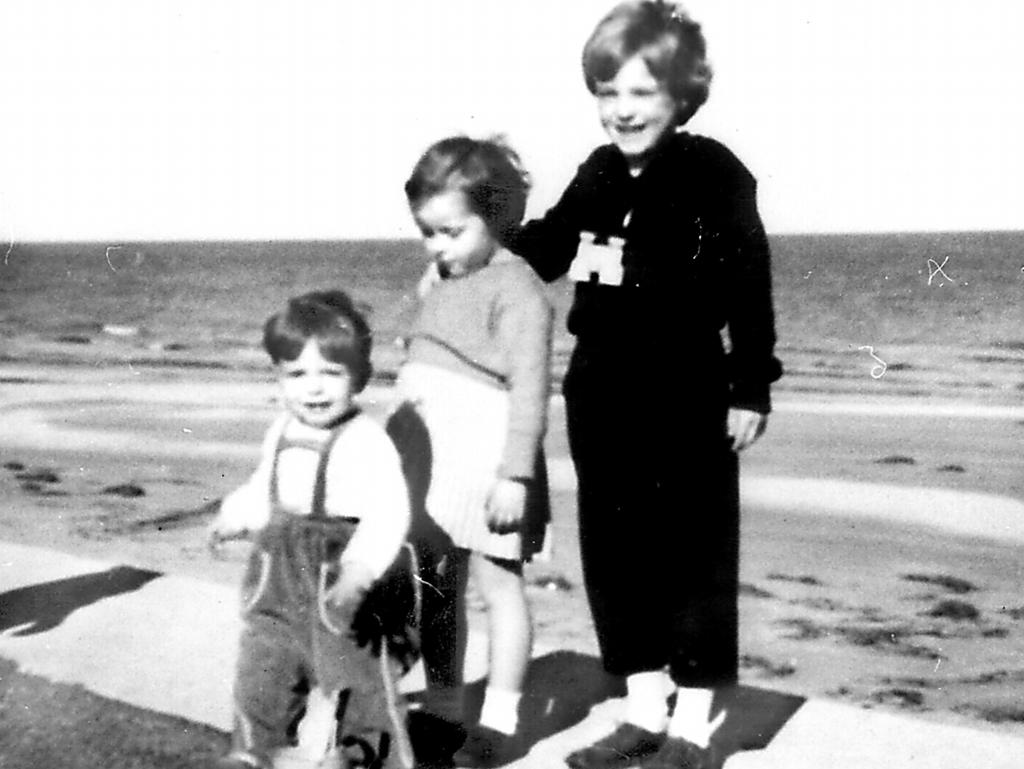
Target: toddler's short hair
<point>332,319</point>
<point>669,41</point>
<point>487,171</point>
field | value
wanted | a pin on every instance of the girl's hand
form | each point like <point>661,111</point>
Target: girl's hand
<point>352,586</point>
<point>505,506</point>
<point>745,427</point>
<point>431,277</point>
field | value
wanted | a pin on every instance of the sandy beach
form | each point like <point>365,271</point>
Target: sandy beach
<point>881,538</point>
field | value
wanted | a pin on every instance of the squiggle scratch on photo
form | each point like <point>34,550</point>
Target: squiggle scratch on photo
<point>878,370</point>
<point>109,249</point>
<point>934,268</point>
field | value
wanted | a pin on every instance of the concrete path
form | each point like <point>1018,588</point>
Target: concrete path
<point>167,644</point>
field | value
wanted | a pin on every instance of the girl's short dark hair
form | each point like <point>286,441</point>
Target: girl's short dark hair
<point>487,171</point>
<point>332,319</point>
<point>669,41</point>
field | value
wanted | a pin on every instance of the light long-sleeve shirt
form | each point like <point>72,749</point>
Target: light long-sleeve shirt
<point>364,481</point>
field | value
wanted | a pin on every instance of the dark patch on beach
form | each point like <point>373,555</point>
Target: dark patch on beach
<point>888,638</point>
<point>908,682</point>
<point>951,469</point>
<point>898,367</point>
<point>896,459</point>
<point>38,476</point>
<point>898,696</point>
<point>994,714</point>
<point>20,380</point>
<point>1017,612</point>
<point>73,339</point>
<point>952,584</point>
<point>959,611</point>
<point>803,579</point>
<point>174,347</point>
<point>765,667</point>
<point>14,466</point>
<point>892,639</point>
<point>1009,344</point>
<point>41,490</point>
<point>754,591</point>
<point>995,632</point>
<point>997,359</point>
<point>175,519</point>
<point>993,677</point>
<point>820,604</point>
<point>189,363</point>
<point>802,629</point>
<point>128,490</point>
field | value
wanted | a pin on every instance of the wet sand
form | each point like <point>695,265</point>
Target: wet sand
<point>126,463</point>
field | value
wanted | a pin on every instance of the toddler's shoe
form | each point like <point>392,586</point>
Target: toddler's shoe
<point>485,748</point>
<point>677,753</point>
<point>626,746</point>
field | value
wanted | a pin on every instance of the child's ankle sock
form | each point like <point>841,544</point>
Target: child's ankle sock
<point>690,717</point>
<point>500,710</point>
<point>647,700</point>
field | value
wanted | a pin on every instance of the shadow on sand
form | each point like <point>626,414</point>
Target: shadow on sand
<point>563,686</point>
<point>38,608</point>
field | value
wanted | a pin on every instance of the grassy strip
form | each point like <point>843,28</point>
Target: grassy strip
<point>64,726</point>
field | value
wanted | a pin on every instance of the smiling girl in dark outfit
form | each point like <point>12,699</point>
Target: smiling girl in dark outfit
<point>661,233</point>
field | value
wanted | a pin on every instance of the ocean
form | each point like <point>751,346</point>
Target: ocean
<point>900,314</point>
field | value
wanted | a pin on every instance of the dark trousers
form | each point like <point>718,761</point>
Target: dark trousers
<point>292,642</point>
<point>659,529</point>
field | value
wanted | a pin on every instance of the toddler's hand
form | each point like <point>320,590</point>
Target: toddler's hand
<point>219,533</point>
<point>506,505</point>
<point>352,586</point>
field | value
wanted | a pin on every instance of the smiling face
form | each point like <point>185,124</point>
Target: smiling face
<point>316,391</point>
<point>636,110</point>
<point>455,237</point>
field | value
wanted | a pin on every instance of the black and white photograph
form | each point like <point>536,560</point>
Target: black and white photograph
<point>590,384</point>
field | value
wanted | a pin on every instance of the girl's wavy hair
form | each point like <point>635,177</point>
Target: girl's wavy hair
<point>669,41</point>
<point>487,171</point>
<point>333,320</point>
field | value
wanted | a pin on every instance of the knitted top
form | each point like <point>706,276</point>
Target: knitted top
<point>494,325</point>
<point>695,261</point>
<point>364,480</point>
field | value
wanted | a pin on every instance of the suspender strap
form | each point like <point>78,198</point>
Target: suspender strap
<point>320,483</point>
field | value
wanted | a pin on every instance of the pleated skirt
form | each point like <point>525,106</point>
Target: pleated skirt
<point>467,423</point>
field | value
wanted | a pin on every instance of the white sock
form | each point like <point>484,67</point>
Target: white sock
<point>690,717</point>
<point>500,710</point>
<point>646,700</point>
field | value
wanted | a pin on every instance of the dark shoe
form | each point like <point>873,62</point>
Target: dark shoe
<point>677,753</point>
<point>624,747</point>
<point>434,740</point>
<point>485,747</point>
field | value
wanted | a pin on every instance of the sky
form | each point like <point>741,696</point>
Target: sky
<point>300,119</point>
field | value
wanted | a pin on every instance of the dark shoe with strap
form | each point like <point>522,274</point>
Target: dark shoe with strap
<point>626,746</point>
<point>485,748</point>
<point>677,753</point>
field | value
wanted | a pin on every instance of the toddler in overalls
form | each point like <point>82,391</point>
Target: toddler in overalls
<point>328,599</point>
